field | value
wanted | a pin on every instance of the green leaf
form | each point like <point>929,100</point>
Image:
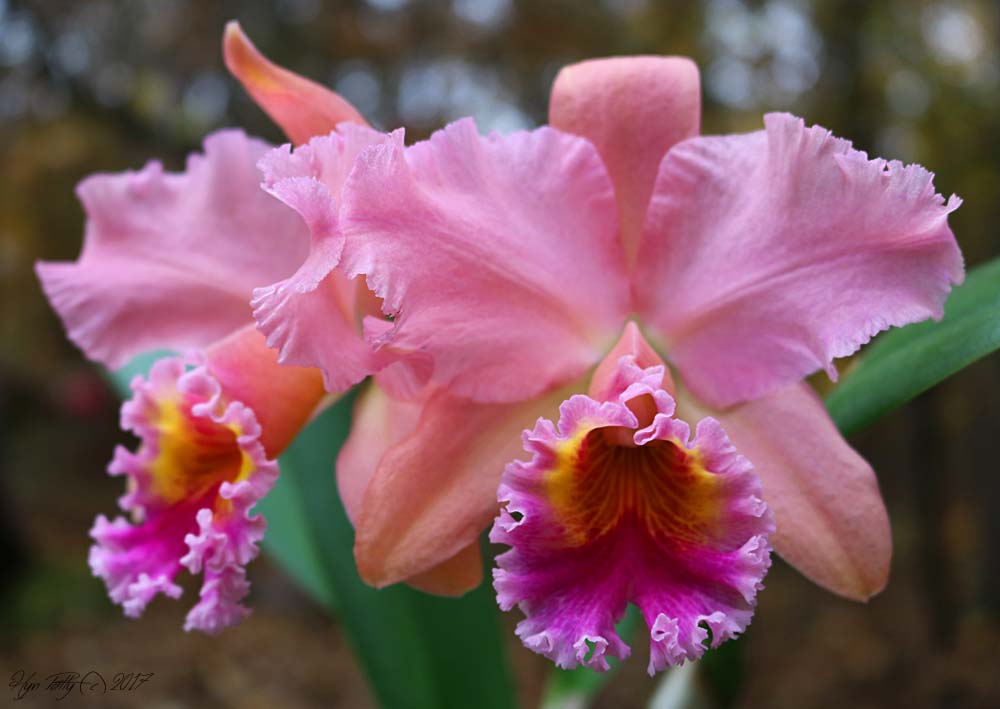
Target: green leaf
<point>289,540</point>
<point>379,624</point>
<point>903,363</point>
<point>468,660</point>
<point>578,687</point>
<point>417,650</point>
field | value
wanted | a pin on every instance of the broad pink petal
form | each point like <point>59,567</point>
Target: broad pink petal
<point>169,259</point>
<point>667,520</point>
<point>831,521</point>
<point>198,472</point>
<point>311,318</point>
<point>633,109</point>
<point>435,490</point>
<point>301,107</point>
<point>497,256</point>
<point>766,255</point>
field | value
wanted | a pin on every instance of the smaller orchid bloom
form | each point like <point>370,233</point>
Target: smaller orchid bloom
<point>512,264</point>
<point>199,470</point>
<point>170,262</point>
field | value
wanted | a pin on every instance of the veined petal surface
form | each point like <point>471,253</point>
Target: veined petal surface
<point>169,260</point>
<point>767,255</point>
<point>497,256</point>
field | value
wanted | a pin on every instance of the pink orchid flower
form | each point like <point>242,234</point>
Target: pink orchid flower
<point>169,263</point>
<point>513,264</point>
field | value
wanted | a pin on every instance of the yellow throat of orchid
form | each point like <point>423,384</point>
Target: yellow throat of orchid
<point>194,453</point>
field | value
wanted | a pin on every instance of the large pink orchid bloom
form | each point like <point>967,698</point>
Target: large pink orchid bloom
<point>513,264</point>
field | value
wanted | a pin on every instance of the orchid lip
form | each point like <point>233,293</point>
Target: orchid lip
<point>192,484</point>
<point>621,503</point>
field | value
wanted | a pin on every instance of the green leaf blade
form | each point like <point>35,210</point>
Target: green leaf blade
<point>906,362</point>
<point>290,542</point>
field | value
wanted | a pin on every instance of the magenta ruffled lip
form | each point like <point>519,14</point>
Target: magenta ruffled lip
<point>212,532</point>
<point>693,574</point>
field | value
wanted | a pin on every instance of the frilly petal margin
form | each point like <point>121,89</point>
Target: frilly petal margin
<point>767,255</point>
<point>465,236</point>
<point>159,245</point>
<point>312,318</point>
<point>193,482</point>
<point>672,522</point>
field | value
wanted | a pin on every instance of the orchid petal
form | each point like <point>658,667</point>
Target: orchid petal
<point>767,255</point>
<point>452,577</point>
<point>633,109</point>
<point>831,522</point>
<point>168,261</point>
<point>311,317</point>
<point>380,421</point>
<point>301,107</point>
<point>435,490</point>
<point>465,237</point>
<point>282,397</point>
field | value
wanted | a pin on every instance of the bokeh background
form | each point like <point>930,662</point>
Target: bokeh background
<point>108,84</point>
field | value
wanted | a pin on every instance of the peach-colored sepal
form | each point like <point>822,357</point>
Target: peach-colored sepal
<point>452,577</point>
<point>301,107</point>
<point>831,521</point>
<point>283,398</point>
